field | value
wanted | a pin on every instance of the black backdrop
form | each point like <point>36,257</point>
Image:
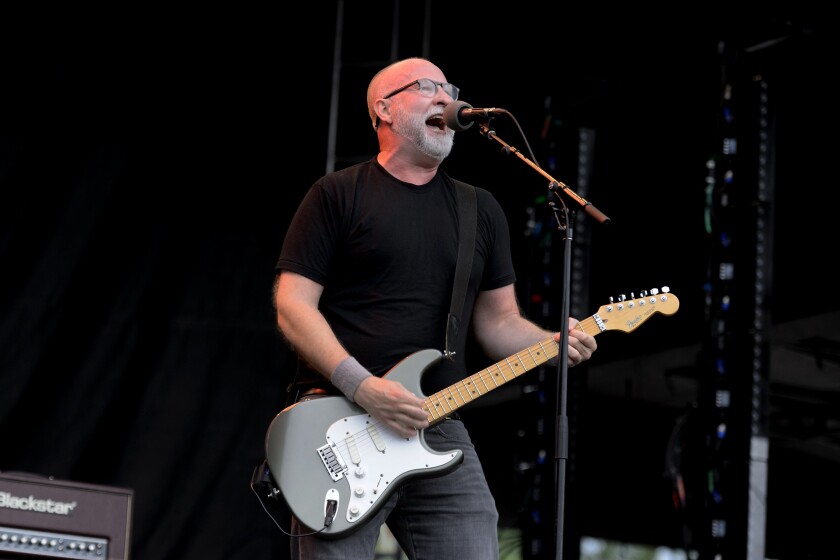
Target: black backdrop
<point>149,166</point>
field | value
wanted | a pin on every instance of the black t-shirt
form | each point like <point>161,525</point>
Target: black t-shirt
<point>385,252</point>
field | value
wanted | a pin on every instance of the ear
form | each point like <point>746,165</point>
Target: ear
<point>383,110</point>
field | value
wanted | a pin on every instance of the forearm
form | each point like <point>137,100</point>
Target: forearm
<point>499,326</point>
<point>502,330</point>
<point>306,329</point>
<point>511,335</point>
<point>318,346</point>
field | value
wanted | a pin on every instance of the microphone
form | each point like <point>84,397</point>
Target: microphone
<point>460,115</point>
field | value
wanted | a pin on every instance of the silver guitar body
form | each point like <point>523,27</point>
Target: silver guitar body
<point>335,465</point>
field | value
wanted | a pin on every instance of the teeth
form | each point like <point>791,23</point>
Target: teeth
<point>436,121</point>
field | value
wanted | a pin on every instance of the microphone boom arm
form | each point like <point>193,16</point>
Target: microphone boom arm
<point>553,184</point>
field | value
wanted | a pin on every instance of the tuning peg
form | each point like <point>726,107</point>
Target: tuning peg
<point>622,297</point>
<point>654,291</point>
<point>666,289</point>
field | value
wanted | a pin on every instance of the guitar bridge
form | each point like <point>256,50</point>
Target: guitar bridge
<point>332,461</point>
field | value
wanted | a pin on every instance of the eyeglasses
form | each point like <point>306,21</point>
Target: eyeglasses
<point>428,88</point>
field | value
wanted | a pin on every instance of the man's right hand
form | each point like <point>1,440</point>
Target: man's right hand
<point>394,405</point>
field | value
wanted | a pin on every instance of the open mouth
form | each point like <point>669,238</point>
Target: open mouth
<point>436,121</point>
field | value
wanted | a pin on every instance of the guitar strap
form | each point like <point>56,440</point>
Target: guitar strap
<point>467,220</point>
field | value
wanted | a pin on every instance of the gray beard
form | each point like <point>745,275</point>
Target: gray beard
<point>413,127</point>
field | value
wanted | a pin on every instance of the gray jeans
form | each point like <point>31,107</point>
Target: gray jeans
<point>439,518</point>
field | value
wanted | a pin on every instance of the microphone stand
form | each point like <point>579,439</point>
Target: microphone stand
<point>565,220</point>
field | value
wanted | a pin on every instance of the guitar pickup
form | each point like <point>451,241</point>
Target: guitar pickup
<point>333,461</point>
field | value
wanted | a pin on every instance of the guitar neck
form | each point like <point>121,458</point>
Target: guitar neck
<point>623,316</point>
<point>590,326</point>
<point>448,400</point>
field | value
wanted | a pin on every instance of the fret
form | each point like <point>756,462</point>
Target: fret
<point>483,382</point>
<point>452,399</point>
<point>442,403</point>
<point>531,354</point>
<point>510,365</point>
<point>546,355</point>
<point>461,395</point>
<point>475,389</point>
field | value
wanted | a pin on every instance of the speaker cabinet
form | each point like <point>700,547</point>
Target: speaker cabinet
<point>46,518</point>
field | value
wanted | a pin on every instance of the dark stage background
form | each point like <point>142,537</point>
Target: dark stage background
<point>150,163</point>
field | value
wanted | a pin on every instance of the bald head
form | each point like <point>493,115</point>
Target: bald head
<point>397,75</point>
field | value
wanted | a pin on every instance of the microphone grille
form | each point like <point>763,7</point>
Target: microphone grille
<point>452,115</point>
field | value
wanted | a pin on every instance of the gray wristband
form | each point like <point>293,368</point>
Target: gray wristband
<point>348,375</point>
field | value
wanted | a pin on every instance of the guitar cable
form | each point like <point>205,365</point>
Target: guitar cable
<point>332,506</point>
<point>263,487</point>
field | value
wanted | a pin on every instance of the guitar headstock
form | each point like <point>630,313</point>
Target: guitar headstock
<point>627,314</point>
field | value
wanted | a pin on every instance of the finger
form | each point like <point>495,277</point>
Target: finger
<point>409,431</point>
<point>401,427</point>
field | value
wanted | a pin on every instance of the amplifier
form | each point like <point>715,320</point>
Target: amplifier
<point>42,517</point>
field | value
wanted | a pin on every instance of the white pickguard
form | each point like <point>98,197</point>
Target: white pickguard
<point>375,457</point>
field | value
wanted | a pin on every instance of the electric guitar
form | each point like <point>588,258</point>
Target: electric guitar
<point>335,465</point>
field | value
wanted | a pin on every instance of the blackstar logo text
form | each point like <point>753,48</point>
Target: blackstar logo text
<point>31,503</point>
